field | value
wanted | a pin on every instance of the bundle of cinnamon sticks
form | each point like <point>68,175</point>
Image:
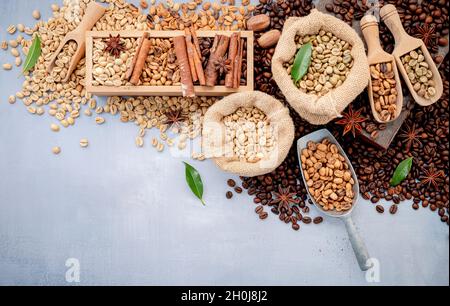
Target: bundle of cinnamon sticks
<point>222,45</point>
<point>189,57</point>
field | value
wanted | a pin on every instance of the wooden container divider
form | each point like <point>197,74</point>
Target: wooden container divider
<point>164,90</point>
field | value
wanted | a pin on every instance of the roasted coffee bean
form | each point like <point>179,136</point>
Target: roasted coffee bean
<point>259,209</point>
<point>231,183</point>
<point>306,220</point>
<point>295,226</point>
<point>263,216</point>
<point>229,195</point>
<point>238,190</point>
<point>375,200</point>
<point>415,206</point>
<point>393,209</point>
<point>318,220</point>
<point>380,209</point>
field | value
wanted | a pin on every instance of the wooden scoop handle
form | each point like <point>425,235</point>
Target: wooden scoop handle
<point>390,16</point>
<point>369,28</point>
<point>94,12</point>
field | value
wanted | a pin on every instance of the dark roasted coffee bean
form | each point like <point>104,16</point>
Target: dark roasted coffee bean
<point>318,220</point>
<point>393,209</point>
<point>238,190</point>
<point>231,183</point>
<point>380,209</point>
<point>263,216</point>
<point>295,226</point>
<point>415,206</point>
<point>259,209</point>
<point>306,220</point>
<point>229,195</point>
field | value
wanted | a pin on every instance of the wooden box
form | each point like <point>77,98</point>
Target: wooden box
<point>163,90</point>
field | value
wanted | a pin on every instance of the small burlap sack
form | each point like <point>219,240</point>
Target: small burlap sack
<point>319,110</point>
<point>213,140</point>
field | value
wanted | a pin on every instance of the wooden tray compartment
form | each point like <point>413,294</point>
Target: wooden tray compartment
<point>163,90</point>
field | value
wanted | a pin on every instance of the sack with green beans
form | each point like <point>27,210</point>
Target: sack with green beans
<point>320,90</point>
<point>248,133</point>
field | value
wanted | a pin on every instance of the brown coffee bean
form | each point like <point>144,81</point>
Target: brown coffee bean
<point>238,190</point>
<point>306,220</point>
<point>415,206</point>
<point>263,216</point>
<point>380,209</point>
<point>231,183</point>
<point>318,220</point>
<point>295,226</point>
<point>229,195</point>
<point>259,209</point>
<point>393,209</point>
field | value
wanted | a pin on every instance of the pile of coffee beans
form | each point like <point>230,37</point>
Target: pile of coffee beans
<point>424,135</point>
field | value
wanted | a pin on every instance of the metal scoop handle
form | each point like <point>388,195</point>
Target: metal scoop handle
<point>358,245</point>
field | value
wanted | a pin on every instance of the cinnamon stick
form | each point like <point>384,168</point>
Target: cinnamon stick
<point>217,52</point>
<point>198,58</point>
<point>140,61</point>
<point>136,55</point>
<point>238,62</point>
<point>215,43</point>
<point>190,53</point>
<point>187,85</point>
<point>196,41</point>
<point>232,53</point>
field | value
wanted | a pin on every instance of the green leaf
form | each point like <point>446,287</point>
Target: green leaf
<point>194,180</point>
<point>402,171</point>
<point>33,54</point>
<point>302,62</point>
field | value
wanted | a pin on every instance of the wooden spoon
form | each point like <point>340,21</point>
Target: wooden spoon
<point>93,13</point>
<point>376,55</point>
<point>405,44</point>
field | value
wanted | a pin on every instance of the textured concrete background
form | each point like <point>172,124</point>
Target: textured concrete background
<point>127,216</point>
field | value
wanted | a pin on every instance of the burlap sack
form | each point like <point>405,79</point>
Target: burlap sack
<point>314,109</point>
<point>213,139</point>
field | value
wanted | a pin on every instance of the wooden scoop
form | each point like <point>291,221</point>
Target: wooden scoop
<point>405,44</point>
<point>376,55</point>
<point>93,13</point>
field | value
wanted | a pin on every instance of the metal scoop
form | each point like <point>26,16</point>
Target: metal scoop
<point>357,243</point>
<point>94,12</point>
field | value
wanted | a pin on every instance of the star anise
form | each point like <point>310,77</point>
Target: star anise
<point>427,34</point>
<point>114,45</point>
<point>410,136</point>
<point>175,118</point>
<point>352,121</point>
<point>431,177</point>
<point>285,198</point>
<point>223,65</point>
